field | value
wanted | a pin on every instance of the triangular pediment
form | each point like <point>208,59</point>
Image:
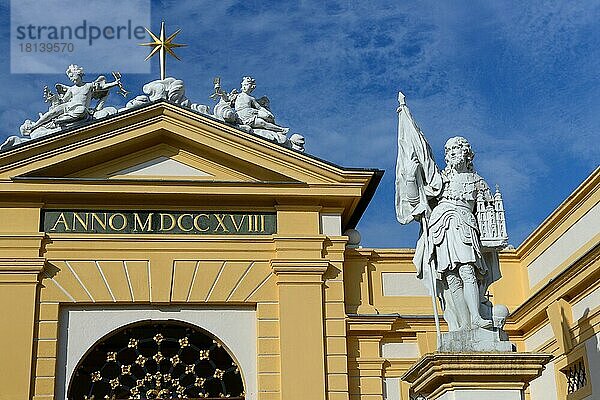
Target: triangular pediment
<point>161,166</point>
<point>163,162</point>
<point>162,148</point>
<point>172,144</point>
<point>164,141</point>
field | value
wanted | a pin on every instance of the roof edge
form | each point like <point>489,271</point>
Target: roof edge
<point>365,199</point>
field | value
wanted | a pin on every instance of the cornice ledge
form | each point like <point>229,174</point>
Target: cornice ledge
<point>375,254</point>
<point>398,364</point>
<point>555,220</point>
<point>371,322</point>
<point>21,236</point>
<point>368,363</point>
<point>299,266</point>
<point>296,238</point>
<point>22,265</point>
<point>294,207</point>
<point>358,253</point>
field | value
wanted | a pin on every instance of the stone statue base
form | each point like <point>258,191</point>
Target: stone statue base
<point>468,376</point>
<point>476,340</point>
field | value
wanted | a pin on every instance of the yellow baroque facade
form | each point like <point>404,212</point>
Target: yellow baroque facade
<point>127,242</point>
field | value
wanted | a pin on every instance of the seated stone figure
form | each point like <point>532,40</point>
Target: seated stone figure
<point>252,115</point>
<point>71,103</point>
<point>251,112</point>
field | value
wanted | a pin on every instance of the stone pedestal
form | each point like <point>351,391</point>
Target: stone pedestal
<point>475,340</point>
<point>470,376</point>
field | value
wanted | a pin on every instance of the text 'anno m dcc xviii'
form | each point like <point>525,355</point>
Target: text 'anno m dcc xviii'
<point>161,222</point>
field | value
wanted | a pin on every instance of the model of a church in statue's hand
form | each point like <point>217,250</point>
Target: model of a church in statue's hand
<point>463,227</point>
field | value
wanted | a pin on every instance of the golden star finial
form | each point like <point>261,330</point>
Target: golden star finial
<point>162,46</point>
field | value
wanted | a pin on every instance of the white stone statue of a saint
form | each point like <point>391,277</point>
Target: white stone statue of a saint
<point>71,103</point>
<point>454,235</point>
<point>451,249</point>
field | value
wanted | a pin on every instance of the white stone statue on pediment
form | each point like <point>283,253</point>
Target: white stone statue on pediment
<point>251,114</point>
<point>72,103</point>
<point>170,89</point>
<point>69,106</point>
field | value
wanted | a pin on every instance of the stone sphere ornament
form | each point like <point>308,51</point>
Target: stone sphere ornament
<point>353,237</point>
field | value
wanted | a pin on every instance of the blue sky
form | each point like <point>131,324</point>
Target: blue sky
<point>520,80</point>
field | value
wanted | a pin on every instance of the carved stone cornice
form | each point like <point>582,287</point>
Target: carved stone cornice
<point>437,373</point>
<point>299,248</point>
<point>583,273</point>
<point>25,265</point>
<point>368,366</point>
<point>557,221</point>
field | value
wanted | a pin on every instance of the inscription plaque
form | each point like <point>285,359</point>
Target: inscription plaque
<point>159,222</point>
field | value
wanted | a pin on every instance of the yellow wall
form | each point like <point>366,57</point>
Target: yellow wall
<point>298,295</point>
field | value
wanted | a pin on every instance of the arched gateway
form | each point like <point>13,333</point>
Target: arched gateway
<point>157,360</point>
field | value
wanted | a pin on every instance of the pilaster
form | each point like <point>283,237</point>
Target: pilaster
<point>366,370</point>
<point>560,316</point>
<point>18,290</point>
<point>366,366</point>
<point>359,271</point>
<point>300,286</point>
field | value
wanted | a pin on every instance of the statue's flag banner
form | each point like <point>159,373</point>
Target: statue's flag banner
<point>411,142</point>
